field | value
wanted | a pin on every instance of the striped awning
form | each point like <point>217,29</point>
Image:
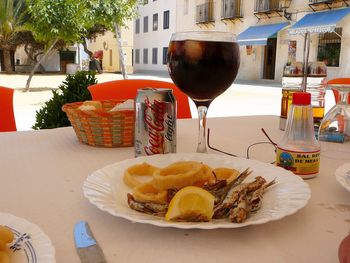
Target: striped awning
<point>319,22</point>
<point>258,35</point>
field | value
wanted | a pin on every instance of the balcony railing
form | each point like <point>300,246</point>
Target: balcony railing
<point>265,6</point>
<point>317,5</point>
<point>231,9</point>
<point>205,12</point>
<point>320,1</point>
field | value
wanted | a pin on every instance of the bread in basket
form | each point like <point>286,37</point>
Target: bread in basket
<point>102,127</point>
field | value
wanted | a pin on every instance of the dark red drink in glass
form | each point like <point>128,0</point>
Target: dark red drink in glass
<point>203,65</point>
<point>203,69</point>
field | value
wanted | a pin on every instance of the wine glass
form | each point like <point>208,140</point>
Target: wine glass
<point>203,65</point>
<point>335,126</point>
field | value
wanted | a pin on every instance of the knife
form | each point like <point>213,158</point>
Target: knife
<point>88,249</point>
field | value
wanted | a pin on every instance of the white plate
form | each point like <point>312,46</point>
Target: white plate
<point>31,244</point>
<point>105,189</point>
<point>342,174</point>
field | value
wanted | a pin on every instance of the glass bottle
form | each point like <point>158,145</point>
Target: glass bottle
<point>298,150</point>
<point>291,82</point>
<point>316,85</point>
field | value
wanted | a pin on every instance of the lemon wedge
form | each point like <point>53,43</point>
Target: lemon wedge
<point>191,203</point>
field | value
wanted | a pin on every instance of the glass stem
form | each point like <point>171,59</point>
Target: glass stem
<point>202,136</point>
<point>343,97</point>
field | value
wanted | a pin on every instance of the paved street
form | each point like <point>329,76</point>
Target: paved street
<point>242,98</point>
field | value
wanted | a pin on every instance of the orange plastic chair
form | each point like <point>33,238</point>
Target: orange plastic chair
<point>127,89</point>
<point>7,116</point>
<point>339,81</point>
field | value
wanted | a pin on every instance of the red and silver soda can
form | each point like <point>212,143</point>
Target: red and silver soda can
<point>155,126</point>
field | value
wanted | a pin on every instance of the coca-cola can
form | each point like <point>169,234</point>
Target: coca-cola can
<point>155,126</point>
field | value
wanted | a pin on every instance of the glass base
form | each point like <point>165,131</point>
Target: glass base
<point>335,127</point>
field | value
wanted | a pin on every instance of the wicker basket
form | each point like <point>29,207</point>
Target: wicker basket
<point>102,127</point>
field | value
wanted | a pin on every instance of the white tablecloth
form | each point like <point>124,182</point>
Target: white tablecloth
<point>41,178</point>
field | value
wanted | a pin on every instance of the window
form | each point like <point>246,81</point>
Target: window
<point>145,24</point>
<point>205,11</point>
<point>292,51</point>
<point>154,55</point>
<point>165,55</point>
<point>110,58</point>
<point>185,7</point>
<point>137,56</point>
<point>329,45</point>
<point>145,56</point>
<point>155,22</point>
<point>166,17</point>
<point>137,26</point>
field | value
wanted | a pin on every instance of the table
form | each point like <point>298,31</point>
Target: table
<point>41,178</point>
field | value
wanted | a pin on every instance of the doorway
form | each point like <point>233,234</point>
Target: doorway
<point>270,59</point>
<point>12,57</point>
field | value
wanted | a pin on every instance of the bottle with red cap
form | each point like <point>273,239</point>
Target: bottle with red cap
<point>298,150</point>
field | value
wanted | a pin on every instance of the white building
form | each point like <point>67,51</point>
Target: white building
<point>152,32</point>
<point>107,44</point>
<point>54,61</point>
<point>265,59</point>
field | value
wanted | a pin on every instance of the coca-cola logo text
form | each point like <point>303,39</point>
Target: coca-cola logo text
<point>154,120</point>
<point>171,128</point>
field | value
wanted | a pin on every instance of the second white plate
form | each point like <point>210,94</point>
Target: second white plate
<point>342,174</point>
<point>105,189</point>
<point>31,244</point>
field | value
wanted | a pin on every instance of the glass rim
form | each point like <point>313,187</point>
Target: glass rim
<point>339,86</point>
<point>207,35</point>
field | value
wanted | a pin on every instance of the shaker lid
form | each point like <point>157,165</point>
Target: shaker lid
<point>301,98</point>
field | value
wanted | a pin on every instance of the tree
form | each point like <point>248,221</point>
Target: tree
<point>55,20</point>
<point>91,33</point>
<point>113,14</point>
<point>33,48</point>
<point>72,20</point>
<point>12,17</point>
<point>13,32</point>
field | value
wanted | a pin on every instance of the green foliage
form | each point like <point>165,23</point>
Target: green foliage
<point>73,89</point>
<point>108,12</point>
<point>74,20</point>
<point>58,19</point>
<point>11,18</point>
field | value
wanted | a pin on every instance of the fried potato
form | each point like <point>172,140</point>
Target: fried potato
<point>174,176</point>
<point>4,257</point>
<point>147,192</point>
<point>3,246</point>
<point>224,173</point>
<point>205,175</point>
<point>6,235</point>
<point>134,171</point>
<point>178,175</point>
